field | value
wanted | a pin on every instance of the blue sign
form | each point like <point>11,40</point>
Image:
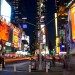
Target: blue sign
<point>24,26</point>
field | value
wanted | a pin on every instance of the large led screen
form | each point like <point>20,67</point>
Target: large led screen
<point>72,17</point>
<point>5,10</point>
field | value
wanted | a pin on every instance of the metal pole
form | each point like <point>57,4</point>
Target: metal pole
<point>30,68</point>
<point>40,58</point>
<point>14,68</point>
<point>0,67</point>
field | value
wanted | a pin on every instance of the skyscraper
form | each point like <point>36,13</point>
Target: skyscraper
<point>41,21</point>
<point>62,19</point>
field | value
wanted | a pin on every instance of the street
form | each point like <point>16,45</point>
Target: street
<point>22,68</point>
<point>32,73</point>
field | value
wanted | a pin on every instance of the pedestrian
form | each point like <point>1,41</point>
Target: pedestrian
<point>70,65</point>
<point>12,47</point>
<point>53,60</point>
<point>2,53</point>
<point>66,65</point>
<point>65,60</point>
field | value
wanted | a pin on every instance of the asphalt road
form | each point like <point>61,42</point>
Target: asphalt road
<point>32,73</point>
<point>22,68</point>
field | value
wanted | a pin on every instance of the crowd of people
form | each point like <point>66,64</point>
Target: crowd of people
<point>69,64</point>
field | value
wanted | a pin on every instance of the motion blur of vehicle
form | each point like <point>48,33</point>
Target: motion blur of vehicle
<point>11,55</point>
<point>34,57</point>
<point>21,53</point>
<point>48,57</point>
<point>16,54</point>
<point>57,57</point>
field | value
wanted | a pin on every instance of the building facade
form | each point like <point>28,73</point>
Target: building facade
<point>61,19</point>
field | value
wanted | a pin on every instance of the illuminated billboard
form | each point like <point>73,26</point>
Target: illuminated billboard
<point>4,32</point>
<point>5,10</point>
<point>57,44</point>
<point>15,37</point>
<point>72,18</point>
<point>57,41</point>
<point>43,28</point>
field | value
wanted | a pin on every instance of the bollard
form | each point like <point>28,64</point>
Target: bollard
<point>0,67</point>
<point>46,67</point>
<point>33,65</point>
<point>14,68</point>
<point>48,63</point>
<point>29,68</point>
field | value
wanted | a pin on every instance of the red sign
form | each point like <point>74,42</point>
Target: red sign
<point>4,31</point>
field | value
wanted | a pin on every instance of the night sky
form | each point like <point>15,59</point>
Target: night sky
<point>30,12</point>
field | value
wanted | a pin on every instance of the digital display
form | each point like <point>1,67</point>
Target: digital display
<point>5,10</point>
<point>72,18</point>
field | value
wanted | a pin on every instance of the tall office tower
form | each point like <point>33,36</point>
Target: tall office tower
<point>16,14</point>
<point>62,20</point>
<point>41,21</point>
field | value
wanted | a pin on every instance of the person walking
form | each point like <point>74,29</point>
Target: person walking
<point>72,64</point>
<point>2,53</point>
<point>53,60</point>
<point>66,65</point>
<point>3,57</point>
<point>69,65</point>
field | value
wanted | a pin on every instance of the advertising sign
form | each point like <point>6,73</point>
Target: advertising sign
<point>72,18</point>
<point>4,32</point>
<point>15,38</point>
<point>5,10</point>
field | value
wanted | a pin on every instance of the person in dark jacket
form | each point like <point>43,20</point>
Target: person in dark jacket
<point>53,60</point>
<point>2,53</point>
